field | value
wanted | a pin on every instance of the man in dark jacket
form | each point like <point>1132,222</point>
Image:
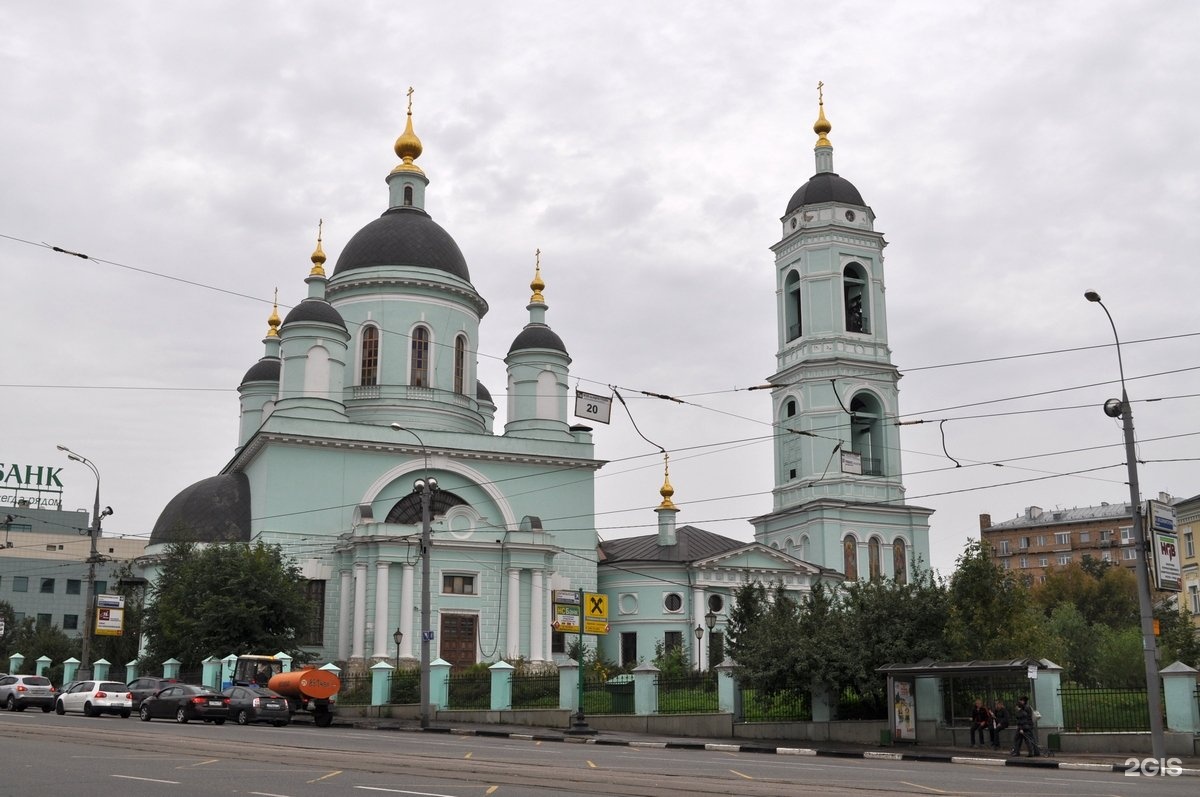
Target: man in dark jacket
<point>999,723</point>
<point>1025,729</point>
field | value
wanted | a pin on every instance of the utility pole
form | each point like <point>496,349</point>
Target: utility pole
<point>89,614</point>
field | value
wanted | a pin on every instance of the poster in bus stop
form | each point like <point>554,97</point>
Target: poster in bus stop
<point>904,710</point>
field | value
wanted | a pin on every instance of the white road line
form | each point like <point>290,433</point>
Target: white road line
<point>147,780</point>
<point>402,791</point>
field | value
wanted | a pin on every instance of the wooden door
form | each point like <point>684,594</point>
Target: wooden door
<point>459,639</point>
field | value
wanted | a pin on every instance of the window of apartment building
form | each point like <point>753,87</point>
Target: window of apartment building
<point>1041,539</point>
<point>101,587</point>
<point>1004,548</point>
<point>1062,538</point>
<point>20,583</point>
<point>1106,556</point>
<point>1194,598</point>
<point>70,622</point>
<point>1043,562</point>
<point>1064,558</point>
<point>1126,535</point>
<point>1129,553</point>
<point>458,585</point>
<point>1085,536</point>
<point>47,586</point>
<point>43,621</point>
<point>1041,579</point>
<point>73,585</point>
<point>1189,545</point>
<point>1024,562</point>
<point>1023,542</point>
<point>1106,535</point>
<point>1005,563</point>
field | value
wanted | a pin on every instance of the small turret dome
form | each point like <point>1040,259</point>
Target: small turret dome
<point>317,310</point>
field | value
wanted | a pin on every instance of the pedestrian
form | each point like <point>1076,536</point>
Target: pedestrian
<point>999,723</point>
<point>1026,732</point>
<point>981,721</point>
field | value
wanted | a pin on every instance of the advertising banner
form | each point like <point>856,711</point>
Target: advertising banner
<point>1164,546</point>
<point>904,710</point>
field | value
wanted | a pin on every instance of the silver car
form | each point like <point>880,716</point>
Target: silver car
<point>94,698</point>
<point>19,692</point>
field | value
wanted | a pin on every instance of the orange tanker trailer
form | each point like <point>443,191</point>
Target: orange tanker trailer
<point>307,690</point>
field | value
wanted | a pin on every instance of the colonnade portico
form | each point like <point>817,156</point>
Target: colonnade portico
<point>519,635</point>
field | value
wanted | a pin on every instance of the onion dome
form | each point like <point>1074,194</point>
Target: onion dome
<point>315,310</point>
<point>403,236</point>
<point>537,336</point>
<point>408,146</point>
<point>826,185</point>
<point>213,510</point>
<point>482,393</point>
<point>666,491</point>
<point>265,370</point>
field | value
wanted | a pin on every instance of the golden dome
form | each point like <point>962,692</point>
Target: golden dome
<point>822,127</point>
<point>274,321</point>
<point>408,146</point>
<point>666,491</point>
<point>318,255</point>
<point>537,285</point>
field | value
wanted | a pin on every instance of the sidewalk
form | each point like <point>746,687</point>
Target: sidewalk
<point>980,756</point>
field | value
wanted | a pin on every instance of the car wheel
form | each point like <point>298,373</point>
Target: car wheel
<point>87,710</point>
<point>125,714</point>
<point>144,713</point>
<point>219,722</point>
<point>11,705</point>
<point>181,715</point>
<point>45,709</point>
<point>280,723</point>
<point>59,708</point>
<point>243,718</point>
<point>323,720</point>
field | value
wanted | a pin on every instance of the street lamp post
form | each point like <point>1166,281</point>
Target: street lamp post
<point>397,636</point>
<point>699,632</point>
<point>1122,408</point>
<point>85,653</point>
<point>710,620</point>
<point>424,488</point>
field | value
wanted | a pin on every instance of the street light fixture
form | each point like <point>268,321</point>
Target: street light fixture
<point>424,488</point>
<point>1121,408</point>
<point>397,637</point>
<point>85,653</point>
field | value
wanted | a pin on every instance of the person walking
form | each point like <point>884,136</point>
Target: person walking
<point>999,723</point>
<point>981,721</point>
<point>1026,732</point>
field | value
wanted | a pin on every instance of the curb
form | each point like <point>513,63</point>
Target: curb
<point>1043,762</point>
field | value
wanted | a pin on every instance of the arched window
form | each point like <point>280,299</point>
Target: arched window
<point>408,196</point>
<point>802,549</point>
<point>368,369</point>
<point>855,293</point>
<point>419,367</point>
<point>850,557</point>
<point>874,558</point>
<point>866,432</point>
<point>899,562</point>
<point>791,305</point>
<point>460,364</point>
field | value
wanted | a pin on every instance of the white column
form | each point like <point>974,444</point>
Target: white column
<point>537,621</point>
<point>360,610</point>
<point>383,634</point>
<point>512,634</point>
<point>406,610</point>
<point>697,620</point>
<point>344,607</point>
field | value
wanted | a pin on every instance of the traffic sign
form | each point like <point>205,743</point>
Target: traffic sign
<point>595,605</point>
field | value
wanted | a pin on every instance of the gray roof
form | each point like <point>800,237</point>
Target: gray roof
<point>265,370</point>
<point>403,236</point>
<point>692,545</point>
<point>216,509</point>
<point>825,187</point>
<point>317,310</point>
<point>1081,514</point>
<point>537,336</point>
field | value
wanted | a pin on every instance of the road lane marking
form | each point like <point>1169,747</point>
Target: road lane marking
<point>402,791</point>
<point>590,764</point>
<point>268,794</point>
<point>741,774</point>
<point>926,788</point>
<point>468,755</point>
<point>198,763</point>
<point>147,780</point>
<point>491,789</point>
<point>330,775</point>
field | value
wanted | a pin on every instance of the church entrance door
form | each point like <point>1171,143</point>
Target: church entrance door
<point>459,636</point>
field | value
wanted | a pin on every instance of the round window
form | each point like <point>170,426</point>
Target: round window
<point>716,603</point>
<point>849,215</point>
<point>673,602</point>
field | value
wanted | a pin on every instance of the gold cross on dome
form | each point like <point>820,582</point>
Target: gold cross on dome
<point>410,93</point>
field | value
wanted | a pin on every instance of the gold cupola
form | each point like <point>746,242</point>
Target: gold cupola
<point>318,255</point>
<point>408,146</point>
<point>666,491</point>
<point>821,127</point>
<point>537,285</point>
<point>274,320</point>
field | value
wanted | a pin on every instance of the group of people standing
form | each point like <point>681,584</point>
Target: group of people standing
<point>993,720</point>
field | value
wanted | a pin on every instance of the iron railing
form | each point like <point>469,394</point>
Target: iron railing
<point>534,691</point>
<point>691,693</point>
<point>1088,709</point>
<point>781,705</point>
<point>608,697</point>
<point>853,705</point>
<point>404,686</point>
<point>356,690</point>
<point>470,690</point>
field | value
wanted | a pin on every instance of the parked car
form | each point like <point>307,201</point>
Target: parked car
<point>249,704</point>
<point>94,698</point>
<point>19,692</point>
<point>142,688</point>
<point>185,702</point>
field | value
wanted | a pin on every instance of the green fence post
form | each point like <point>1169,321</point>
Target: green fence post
<point>502,673</point>
<point>1179,684</point>
<point>381,675</point>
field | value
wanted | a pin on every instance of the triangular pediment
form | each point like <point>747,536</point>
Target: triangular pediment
<point>756,556</point>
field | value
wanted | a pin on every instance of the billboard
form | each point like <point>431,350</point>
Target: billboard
<point>1164,546</point>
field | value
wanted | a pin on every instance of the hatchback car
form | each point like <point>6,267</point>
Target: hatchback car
<point>94,698</point>
<point>142,688</point>
<point>185,702</point>
<point>19,692</point>
<point>249,704</point>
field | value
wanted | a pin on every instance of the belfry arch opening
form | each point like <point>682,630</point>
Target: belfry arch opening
<point>791,305</point>
<point>866,432</point>
<point>855,294</point>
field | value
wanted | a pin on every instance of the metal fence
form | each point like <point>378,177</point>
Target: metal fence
<point>404,686</point>
<point>691,693</point>
<point>470,690</point>
<point>356,690</point>
<point>534,691</point>
<point>783,705</point>
<point>1086,709</point>
<point>608,697</point>
<point>853,705</point>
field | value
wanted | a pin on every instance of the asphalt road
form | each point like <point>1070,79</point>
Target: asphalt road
<point>44,754</point>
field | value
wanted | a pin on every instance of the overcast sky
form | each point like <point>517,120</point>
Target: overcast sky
<point>1015,154</point>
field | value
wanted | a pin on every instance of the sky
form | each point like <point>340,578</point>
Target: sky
<point>1015,154</point>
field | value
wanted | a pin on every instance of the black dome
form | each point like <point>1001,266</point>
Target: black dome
<point>216,509</point>
<point>482,393</point>
<point>403,237</point>
<point>265,370</point>
<point>315,310</point>
<point>825,187</point>
<point>537,336</point>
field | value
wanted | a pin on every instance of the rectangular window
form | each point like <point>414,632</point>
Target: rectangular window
<point>673,640</point>
<point>1041,539</point>
<point>458,585</point>
<point>1044,561</point>
<point>1106,556</point>
<point>1064,558</point>
<point>1024,543</point>
<point>47,587</point>
<point>1189,545</point>
<point>1005,564</point>
<point>20,583</point>
<point>70,622</point>
<point>1024,562</point>
<point>101,587</point>
<point>18,617</point>
<point>629,649</point>
<point>1106,535</point>
<point>1004,547</point>
<point>1126,536</point>
<point>558,642</point>
<point>43,621</point>
<point>1194,594</point>
<point>1129,553</point>
<point>1062,538</point>
<point>73,585</point>
<point>315,592</point>
<point>1085,536</point>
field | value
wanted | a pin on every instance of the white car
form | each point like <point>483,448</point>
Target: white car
<point>94,698</point>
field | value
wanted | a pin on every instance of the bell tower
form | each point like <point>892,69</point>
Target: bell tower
<point>838,499</point>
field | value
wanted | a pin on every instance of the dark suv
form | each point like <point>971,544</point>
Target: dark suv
<point>19,692</point>
<point>142,688</point>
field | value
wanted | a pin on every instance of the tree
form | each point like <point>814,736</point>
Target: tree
<point>120,650</point>
<point>765,639</point>
<point>222,599</point>
<point>991,615</point>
